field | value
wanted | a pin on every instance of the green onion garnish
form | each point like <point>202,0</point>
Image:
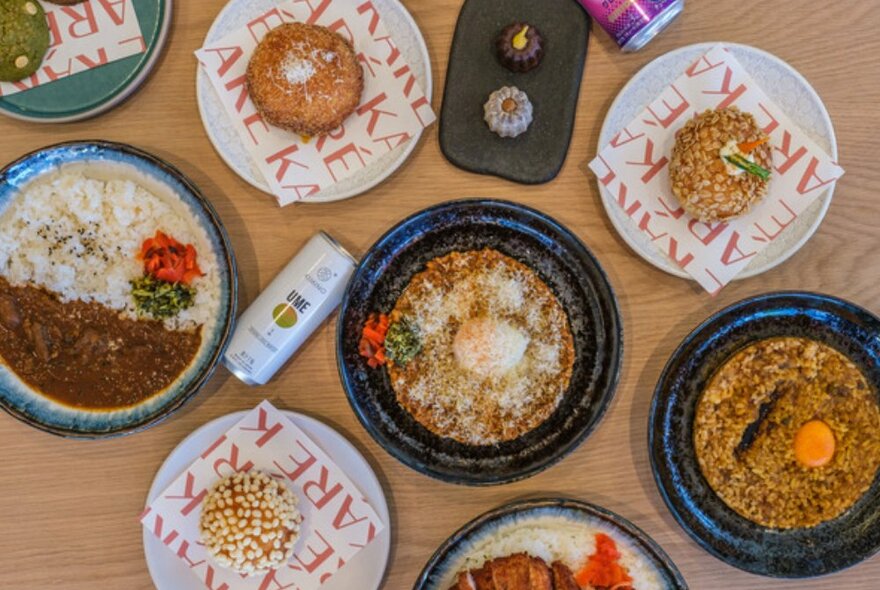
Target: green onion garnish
<point>749,167</point>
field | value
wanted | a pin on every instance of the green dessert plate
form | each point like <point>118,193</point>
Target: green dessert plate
<point>95,91</point>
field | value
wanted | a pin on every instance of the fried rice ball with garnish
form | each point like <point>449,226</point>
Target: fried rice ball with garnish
<point>305,78</point>
<point>250,523</point>
<point>720,164</point>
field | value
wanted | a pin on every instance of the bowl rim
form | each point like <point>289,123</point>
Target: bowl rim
<point>635,534</point>
<point>615,349</point>
<point>227,254</point>
<point>657,456</point>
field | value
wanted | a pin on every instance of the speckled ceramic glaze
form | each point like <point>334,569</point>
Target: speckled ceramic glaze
<point>526,512</point>
<point>158,176</point>
<point>561,261</point>
<point>783,84</point>
<point>229,144</point>
<point>790,553</point>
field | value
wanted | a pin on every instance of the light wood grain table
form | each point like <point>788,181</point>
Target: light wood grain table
<point>68,509</point>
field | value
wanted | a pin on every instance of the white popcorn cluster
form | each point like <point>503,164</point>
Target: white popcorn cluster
<point>250,523</point>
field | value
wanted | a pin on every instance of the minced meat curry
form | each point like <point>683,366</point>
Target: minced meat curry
<point>86,355</point>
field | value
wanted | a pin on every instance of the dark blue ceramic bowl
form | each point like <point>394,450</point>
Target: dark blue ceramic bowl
<point>562,262</point>
<point>123,161</point>
<point>444,563</point>
<point>788,553</point>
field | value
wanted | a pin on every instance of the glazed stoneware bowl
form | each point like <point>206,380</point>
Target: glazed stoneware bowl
<point>529,513</point>
<point>789,553</point>
<point>113,160</point>
<point>560,260</point>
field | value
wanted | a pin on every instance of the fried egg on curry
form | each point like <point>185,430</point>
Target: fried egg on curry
<point>493,351</point>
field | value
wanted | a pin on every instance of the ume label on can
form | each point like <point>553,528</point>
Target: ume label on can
<point>632,23</point>
<point>294,304</point>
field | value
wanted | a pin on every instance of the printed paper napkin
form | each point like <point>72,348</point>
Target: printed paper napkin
<point>337,520</point>
<point>634,169</point>
<point>84,36</point>
<point>393,106</point>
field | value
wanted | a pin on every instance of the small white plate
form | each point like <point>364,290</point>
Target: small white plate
<point>783,84</point>
<point>365,571</point>
<point>229,145</point>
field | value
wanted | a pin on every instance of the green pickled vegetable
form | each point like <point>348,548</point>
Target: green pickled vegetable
<point>749,167</point>
<point>161,299</point>
<point>402,342</point>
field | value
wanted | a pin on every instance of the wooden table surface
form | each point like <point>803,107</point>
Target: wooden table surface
<point>68,509</point>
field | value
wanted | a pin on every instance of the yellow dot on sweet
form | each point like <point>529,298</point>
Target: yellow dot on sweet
<point>21,61</point>
<point>30,8</point>
<point>519,40</point>
<point>814,444</point>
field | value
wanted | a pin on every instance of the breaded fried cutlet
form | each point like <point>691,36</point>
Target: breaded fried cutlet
<point>563,578</point>
<point>519,571</point>
<point>305,78</point>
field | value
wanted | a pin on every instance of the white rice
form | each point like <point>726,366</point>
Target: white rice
<point>79,237</point>
<point>554,538</point>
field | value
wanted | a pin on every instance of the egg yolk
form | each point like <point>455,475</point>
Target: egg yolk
<point>488,348</point>
<point>814,444</point>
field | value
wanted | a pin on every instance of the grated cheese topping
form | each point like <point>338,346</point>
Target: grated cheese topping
<point>497,350</point>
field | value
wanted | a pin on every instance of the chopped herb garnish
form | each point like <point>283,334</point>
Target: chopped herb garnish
<point>402,342</point>
<point>161,299</point>
<point>749,167</point>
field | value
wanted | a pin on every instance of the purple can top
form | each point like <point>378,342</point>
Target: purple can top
<point>625,19</point>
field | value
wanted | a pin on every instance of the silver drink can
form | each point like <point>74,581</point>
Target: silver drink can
<point>294,304</point>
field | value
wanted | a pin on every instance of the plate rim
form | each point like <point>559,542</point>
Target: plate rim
<point>663,263</point>
<point>615,331</point>
<point>290,415</point>
<point>655,410</point>
<point>260,184</point>
<point>143,72</point>
<point>175,404</point>
<point>634,533</point>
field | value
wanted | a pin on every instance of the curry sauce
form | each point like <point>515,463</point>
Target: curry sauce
<point>86,355</point>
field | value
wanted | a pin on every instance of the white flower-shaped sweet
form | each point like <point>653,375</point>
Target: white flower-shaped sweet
<point>508,112</point>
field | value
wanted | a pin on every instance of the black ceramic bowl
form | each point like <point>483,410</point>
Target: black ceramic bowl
<point>788,553</point>
<point>529,513</point>
<point>561,261</point>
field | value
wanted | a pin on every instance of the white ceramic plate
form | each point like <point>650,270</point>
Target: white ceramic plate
<point>364,571</point>
<point>226,140</point>
<point>783,84</point>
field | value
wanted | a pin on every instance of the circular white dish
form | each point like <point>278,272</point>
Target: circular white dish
<point>229,145</point>
<point>783,84</point>
<point>365,571</point>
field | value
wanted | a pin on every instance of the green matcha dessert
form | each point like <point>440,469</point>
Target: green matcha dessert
<point>24,38</point>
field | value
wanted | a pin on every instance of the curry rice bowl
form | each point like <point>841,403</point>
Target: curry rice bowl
<point>553,538</point>
<point>76,233</point>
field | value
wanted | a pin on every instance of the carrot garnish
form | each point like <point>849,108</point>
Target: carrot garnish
<point>372,343</point>
<point>602,569</point>
<point>748,146</point>
<point>168,260</point>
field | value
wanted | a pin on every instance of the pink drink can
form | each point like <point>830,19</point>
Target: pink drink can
<point>632,23</point>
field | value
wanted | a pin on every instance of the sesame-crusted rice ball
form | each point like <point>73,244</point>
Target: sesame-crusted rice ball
<point>250,523</point>
<point>706,184</point>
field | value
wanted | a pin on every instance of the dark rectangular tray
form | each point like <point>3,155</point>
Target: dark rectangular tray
<point>474,72</point>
